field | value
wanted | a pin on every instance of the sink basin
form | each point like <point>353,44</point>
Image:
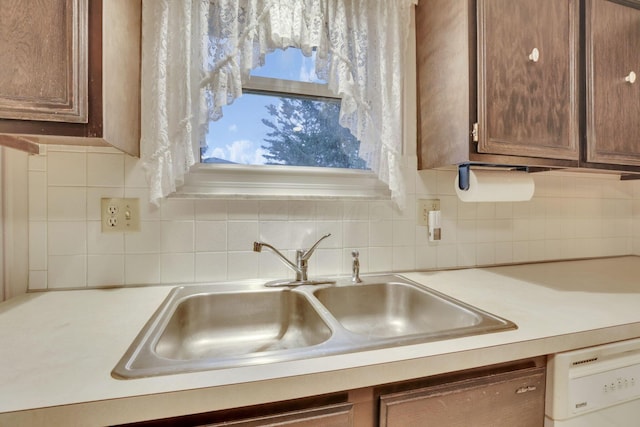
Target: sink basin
<point>393,310</point>
<point>203,327</point>
<point>234,324</point>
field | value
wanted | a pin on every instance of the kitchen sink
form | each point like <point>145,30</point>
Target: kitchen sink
<point>203,327</point>
<point>394,310</point>
<point>228,325</point>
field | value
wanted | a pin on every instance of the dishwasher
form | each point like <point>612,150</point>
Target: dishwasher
<point>594,387</point>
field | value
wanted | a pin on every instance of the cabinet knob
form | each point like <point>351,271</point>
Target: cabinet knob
<point>631,78</point>
<point>534,55</point>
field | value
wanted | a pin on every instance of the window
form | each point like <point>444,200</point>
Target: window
<point>282,138</point>
<point>286,116</point>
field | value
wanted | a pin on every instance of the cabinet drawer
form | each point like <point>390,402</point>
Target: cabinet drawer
<point>507,399</point>
<point>340,415</point>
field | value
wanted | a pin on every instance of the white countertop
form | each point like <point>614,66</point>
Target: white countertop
<point>57,349</point>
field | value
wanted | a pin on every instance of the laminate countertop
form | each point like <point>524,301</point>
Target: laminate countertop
<point>57,349</point>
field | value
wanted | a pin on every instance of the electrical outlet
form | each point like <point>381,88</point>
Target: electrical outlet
<point>424,206</point>
<point>121,215</point>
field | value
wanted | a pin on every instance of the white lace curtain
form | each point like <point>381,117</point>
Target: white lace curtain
<point>360,52</point>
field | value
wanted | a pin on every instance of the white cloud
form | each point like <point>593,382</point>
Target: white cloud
<point>233,128</point>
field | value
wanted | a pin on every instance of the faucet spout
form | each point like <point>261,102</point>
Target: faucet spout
<point>257,247</point>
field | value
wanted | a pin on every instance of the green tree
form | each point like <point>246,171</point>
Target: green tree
<point>306,132</point>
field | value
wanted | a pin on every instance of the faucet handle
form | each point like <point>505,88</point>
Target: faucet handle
<point>355,267</point>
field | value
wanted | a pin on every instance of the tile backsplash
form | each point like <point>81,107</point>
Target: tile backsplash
<point>570,216</point>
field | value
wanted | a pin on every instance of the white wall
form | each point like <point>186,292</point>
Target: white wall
<point>571,215</point>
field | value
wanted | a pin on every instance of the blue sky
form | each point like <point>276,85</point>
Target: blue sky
<point>239,134</point>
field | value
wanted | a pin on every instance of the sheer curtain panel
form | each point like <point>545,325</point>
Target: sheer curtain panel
<point>360,51</point>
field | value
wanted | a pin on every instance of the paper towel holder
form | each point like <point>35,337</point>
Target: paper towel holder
<point>465,168</point>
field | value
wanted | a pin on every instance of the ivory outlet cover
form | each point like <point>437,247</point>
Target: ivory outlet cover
<point>121,215</point>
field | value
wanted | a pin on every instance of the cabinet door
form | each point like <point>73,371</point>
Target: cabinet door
<point>340,415</point>
<point>503,400</point>
<point>43,52</point>
<point>613,95</point>
<point>527,78</point>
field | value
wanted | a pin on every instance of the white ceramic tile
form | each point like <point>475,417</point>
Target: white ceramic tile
<point>67,271</point>
<point>333,227</point>
<point>355,211</point>
<point>271,268</point>
<point>332,211</point>
<point>177,209</point>
<point>426,183</point>
<point>242,265</point>
<point>177,267</point>
<point>105,170</point>
<point>356,234</point>
<point>467,255</point>
<point>241,235</point>
<point>304,234</point>
<point>404,233</point>
<point>380,211</point>
<point>301,210</point>
<point>275,233</point>
<point>211,266</point>
<point>504,252</point>
<point>378,260</point>
<point>37,196</point>
<point>426,257</point>
<point>327,263</point>
<point>211,236</point>
<point>447,256</point>
<point>67,238</point>
<point>103,243</point>
<point>466,231</point>
<point>243,210</point>
<point>66,169</point>
<point>142,269</point>
<point>134,173</point>
<point>485,253</point>
<point>67,203</point>
<point>381,233</point>
<point>37,245</point>
<point>37,280</point>
<point>211,210</point>
<point>273,210</point>
<point>403,258</point>
<point>147,240</point>
<point>105,270</point>
<point>446,182</point>
<point>178,236</point>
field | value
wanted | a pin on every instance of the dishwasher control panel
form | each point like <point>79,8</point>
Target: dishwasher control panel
<point>599,390</point>
<point>591,379</point>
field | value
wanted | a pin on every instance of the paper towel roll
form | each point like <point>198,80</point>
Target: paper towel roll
<point>497,186</point>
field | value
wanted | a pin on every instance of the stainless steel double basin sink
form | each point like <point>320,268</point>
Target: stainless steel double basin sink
<point>203,327</point>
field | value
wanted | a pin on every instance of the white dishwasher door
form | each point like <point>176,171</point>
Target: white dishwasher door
<point>595,387</point>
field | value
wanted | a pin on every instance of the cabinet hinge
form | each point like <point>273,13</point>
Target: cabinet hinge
<point>474,132</point>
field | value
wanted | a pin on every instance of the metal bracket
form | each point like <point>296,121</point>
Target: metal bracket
<point>463,176</point>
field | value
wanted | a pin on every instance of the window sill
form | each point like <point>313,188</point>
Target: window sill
<point>280,182</point>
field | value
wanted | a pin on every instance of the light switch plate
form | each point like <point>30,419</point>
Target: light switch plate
<point>121,215</point>
<point>424,206</point>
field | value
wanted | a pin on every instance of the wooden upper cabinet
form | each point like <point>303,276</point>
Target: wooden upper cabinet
<point>43,49</point>
<point>527,78</point>
<point>613,82</point>
<point>70,73</point>
<point>511,66</point>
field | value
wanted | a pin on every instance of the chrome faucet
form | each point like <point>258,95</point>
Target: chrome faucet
<point>301,265</point>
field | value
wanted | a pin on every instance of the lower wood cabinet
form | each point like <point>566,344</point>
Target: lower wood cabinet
<point>507,399</point>
<point>510,394</point>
